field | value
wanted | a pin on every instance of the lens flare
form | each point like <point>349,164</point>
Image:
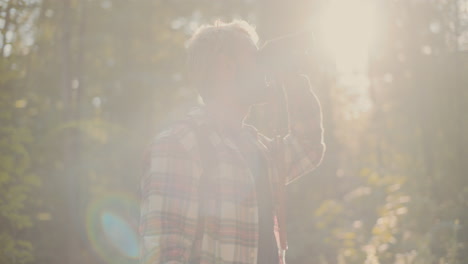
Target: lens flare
<point>112,227</point>
<point>120,234</point>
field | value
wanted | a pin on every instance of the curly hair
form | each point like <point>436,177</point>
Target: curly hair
<point>208,41</point>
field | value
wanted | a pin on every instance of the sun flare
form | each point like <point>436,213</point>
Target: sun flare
<point>346,32</point>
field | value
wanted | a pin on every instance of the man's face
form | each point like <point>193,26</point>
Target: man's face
<point>250,78</point>
<point>247,77</point>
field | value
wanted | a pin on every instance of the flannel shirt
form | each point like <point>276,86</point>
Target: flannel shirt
<point>170,193</point>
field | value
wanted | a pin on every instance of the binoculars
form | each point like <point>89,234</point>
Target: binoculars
<point>286,53</point>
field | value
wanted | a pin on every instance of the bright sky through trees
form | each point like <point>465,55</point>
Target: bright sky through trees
<point>346,32</point>
<point>347,29</point>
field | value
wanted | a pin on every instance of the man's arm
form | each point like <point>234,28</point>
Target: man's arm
<point>169,205</point>
<point>303,147</point>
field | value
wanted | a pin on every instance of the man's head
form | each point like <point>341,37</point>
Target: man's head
<point>222,62</point>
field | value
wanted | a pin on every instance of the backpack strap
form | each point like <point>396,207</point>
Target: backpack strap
<point>281,213</point>
<point>207,157</point>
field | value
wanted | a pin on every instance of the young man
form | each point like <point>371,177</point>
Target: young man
<point>212,189</point>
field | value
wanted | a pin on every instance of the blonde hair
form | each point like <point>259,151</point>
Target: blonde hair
<point>211,39</point>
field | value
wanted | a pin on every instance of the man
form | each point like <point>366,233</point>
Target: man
<point>212,191</point>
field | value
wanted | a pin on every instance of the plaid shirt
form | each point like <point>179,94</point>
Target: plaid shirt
<point>170,193</point>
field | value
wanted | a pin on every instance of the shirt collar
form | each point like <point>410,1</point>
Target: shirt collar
<point>201,118</point>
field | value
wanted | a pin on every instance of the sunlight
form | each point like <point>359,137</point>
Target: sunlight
<point>346,32</point>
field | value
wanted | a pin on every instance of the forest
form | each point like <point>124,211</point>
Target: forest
<point>85,85</point>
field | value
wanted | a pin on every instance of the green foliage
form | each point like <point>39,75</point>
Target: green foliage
<point>16,182</point>
<point>14,250</point>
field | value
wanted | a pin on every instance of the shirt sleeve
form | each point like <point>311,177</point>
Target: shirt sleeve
<point>169,206</point>
<point>301,156</point>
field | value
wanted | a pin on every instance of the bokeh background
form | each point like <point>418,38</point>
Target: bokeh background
<point>85,84</point>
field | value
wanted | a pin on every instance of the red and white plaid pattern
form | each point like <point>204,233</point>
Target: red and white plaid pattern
<point>170,197</point>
